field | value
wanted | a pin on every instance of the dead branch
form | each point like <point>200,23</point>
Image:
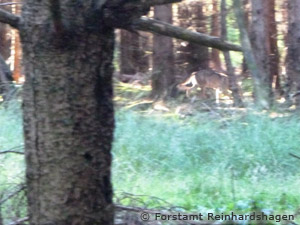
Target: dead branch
<point>295,156</point>
<point>19,221</point>
<point>11,195</point>
<point>10,3</point>
<point>10,151</point>
<point>9,18</point>
<point>158,27</point>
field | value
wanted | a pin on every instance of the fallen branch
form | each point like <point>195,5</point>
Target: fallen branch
<point>166,29</point>
<point>10,3</point>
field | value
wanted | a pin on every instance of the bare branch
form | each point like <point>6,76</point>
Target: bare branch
<point>19,221</point>
<point>10,151</point>
<point>155,26</point>
<point>11,195</point>
<point>297,157</point>
<point>9,18</point>
<point>149,3</point>
<point>160,2</point>
<point>10,3</point>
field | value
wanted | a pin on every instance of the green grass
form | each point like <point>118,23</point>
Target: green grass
<point>202,163</point>
<point>197,163</point>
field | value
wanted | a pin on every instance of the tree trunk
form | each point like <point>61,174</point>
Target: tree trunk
<point>16,48</point>
<point>246,20</point>
<point>230,70</point>
<point>198,56</point>
<point>261,87</point>
<point>163,78</point>
<point>4,38</point>
<point>269,6</point>
<point>260,44</point>
<point>68,114</point>
<point>6,80</point>
<point>215,31</point>
<point>129,53</point>
<point>293,55</point>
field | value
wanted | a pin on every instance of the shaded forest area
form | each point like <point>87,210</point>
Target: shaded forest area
<point>111,110</point>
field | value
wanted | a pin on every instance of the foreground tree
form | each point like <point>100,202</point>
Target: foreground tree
<point>68,111</point>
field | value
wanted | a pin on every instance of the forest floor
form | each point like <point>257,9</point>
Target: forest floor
<point>197,156</point>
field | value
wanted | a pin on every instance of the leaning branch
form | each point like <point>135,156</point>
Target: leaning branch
<point>9,18</point>
<point>158,27</point>
<point>149,3</point>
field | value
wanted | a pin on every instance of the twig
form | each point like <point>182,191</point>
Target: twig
<point>21,188</point>
<point>297,157</point>
<point>10,151</point>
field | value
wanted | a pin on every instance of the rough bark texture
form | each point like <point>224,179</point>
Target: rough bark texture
<point>293,55</point>
<point>163,78</point>
<point>215,31</point>
<point>261,90</point>
<point>68,114</point>
<point>230,70</point>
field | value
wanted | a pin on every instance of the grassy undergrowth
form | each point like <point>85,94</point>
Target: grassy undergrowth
<point>203,163</point>
<point>206,162</point>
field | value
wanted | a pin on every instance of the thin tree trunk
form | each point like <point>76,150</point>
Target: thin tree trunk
<point>129,53</point>
<point>215,31</point>
<point>246,19</point>
<point>163,78</point>
<point>16,47</point>
<point>273,49</point>
<point>4,38</point>
<point>262,93</point>
<point>230,70</point>
<point>293,55</point>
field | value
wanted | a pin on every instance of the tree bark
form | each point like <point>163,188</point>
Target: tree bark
<point>68,114</point>
<point>230,70</point>
<point>293,54</point>
<point>273,49</point>
<point>163,78</point>
<point>215,31</point>
<point>260,43</point>
<point>261,90</point>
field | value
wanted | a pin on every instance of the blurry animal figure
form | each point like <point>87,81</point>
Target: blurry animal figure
<point>206,78</point>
